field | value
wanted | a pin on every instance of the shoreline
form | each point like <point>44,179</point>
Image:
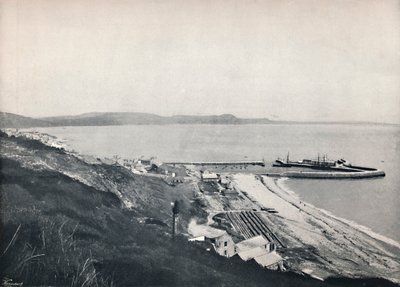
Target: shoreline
<point>280,182</point>
<point>321,242</point>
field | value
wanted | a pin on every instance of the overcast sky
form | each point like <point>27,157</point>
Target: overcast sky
<point>287,60</point>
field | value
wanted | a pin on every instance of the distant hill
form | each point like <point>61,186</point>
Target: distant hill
<point>8,120</point>
<point>108,119</point>
<point>221,119</point>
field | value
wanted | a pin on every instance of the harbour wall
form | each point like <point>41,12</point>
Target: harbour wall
<point>205,163</point>
<point>329,175</point>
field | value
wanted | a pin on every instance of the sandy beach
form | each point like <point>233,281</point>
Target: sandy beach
<point>319,243</point>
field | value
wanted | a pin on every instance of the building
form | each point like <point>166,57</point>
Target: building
<point>145,162</point>
<point>209,176</point>
<point>261,250</point>
<point>220,240</point>
<point>171,170</point>
<point>255,242</point>
<point>224,181</point>
<point>227,187</point>
<point>270,260</point>
<point>256,248</point>
<point>230,192</point>
<point>224,245</point>
<point>139,167</point>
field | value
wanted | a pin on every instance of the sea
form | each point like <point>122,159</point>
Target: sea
<point>373,203</point>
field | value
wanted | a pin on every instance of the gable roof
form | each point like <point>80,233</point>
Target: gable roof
<point>252,253</point>
<point>208,231</point>
<point>256,241</point>
<point>210,176</point>
<point>268,259</point>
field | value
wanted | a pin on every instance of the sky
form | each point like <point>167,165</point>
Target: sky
<point>305,60</point>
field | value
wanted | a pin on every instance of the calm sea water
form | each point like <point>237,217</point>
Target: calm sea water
<point>370,202</point>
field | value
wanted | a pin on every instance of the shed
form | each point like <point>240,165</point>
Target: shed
<point>230,192</point>
<point>271,260</point>
<point>261,250</point>
<point>209,176</point>
<point>251,253</point>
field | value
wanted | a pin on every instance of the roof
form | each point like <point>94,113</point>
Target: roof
<point>268,259</point>
<point>207,231</point>
<point>230,191</point>
<point>210,175</point>
<point>251,243</point>
<point>199,238</point>
<point>225,180</point>
<point>252,253</point>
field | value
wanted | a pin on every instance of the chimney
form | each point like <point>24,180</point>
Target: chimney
<point>175,211</point>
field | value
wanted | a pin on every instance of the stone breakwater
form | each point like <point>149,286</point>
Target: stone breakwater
<point>329,175</point>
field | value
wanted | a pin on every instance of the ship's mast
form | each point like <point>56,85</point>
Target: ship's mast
<point>287,158</point>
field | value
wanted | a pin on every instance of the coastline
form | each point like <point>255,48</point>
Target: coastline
<point>321,242</point>
<point>315,236</point>
<point>55,224</point>
<point>367,230</point>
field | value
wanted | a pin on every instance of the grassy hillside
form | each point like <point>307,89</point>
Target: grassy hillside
<point>65,222</point>
<point>8,120</point>
<point>107,119</point>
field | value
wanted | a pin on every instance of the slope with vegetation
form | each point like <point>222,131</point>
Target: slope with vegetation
<point>9,120</point>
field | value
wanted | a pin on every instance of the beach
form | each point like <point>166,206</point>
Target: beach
<point>318,242</point>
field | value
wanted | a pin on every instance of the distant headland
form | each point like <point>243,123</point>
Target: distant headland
<point>10,120</point>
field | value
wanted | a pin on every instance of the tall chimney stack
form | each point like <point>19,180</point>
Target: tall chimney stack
<point>175,211</point>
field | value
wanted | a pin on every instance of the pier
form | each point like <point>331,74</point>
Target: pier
<point>246,162</point>
<point>329,175</point>
<point>325,169</point>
